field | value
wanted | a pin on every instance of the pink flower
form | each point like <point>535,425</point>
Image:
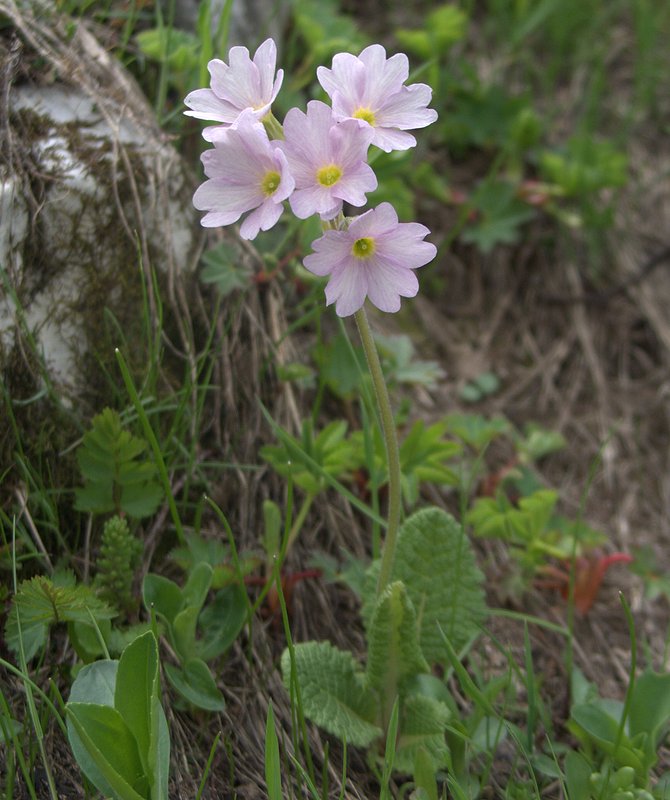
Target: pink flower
<point>246,172</point>
<point>327,160</point>
<point>373,258</point>
<point>370,88</point>
<point>245,84</point>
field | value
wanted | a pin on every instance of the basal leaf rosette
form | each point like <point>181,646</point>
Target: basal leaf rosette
<point>435,561</point>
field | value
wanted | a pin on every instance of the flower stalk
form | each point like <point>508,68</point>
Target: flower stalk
<point>392,452</point>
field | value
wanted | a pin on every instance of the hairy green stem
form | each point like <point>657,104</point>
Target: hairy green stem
<point>392,453</point>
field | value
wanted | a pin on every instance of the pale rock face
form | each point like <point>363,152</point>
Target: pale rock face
<point>70,217</point>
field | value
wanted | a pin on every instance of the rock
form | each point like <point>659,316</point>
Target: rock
<point>91,204</point>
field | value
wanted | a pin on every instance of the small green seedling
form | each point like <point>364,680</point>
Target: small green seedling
<point>182,612</point>
<point>117,727</point>
<point>620,756</point>
<point>118,475</point>
<point>42,602</point>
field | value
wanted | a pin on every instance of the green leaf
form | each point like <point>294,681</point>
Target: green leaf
<point>163,595</point>
<point>169,45</point>
<point>108,756</point>
<point>325,31</point>
<point>41,603</point>
<point>394,653</point>
<point>222,267</point>
<point>136,690</point>
<point>159,750</point>
<point>196,684</point>
<point>475,430</point>
<point>197,586</point>
<point>115,477</point>
<point>221,621</point>
<point>424,773</point>
<point>650,708</point>
<point>434,560</point>
<point>422,726</point>
<point>603,730</point>
<point>333,692</point>
<point>272,761</point>
<point>485,384</point>
<point>426,456</point>
<point>331,451</point>
<point>340,365</point>
<point>523,524</point>
<point>500,215</point>
<point>183,632</point>
<point>95,683</point>
<point>585,165</point>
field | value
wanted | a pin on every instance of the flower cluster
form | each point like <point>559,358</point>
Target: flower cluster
<point>317,161</point>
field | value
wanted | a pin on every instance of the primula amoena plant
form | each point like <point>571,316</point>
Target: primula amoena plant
<point>424,598</point>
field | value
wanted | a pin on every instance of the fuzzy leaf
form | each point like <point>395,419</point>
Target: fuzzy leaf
<point>434,560</point>
<point>40,603</point>
<point>393,642</point>
<point>333,691</point>
<point>422,726</point>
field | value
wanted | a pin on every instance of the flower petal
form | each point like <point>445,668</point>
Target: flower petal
<point>387,283</point>
<point>330,252</point>
<point>407,109</point>
<point>228,199</point>
<point>261,219</point>
<point>204,104</point>
<point>265,60</point>
<point>347,288</point>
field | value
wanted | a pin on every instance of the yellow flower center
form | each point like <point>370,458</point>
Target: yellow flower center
<point>329,176</point>
<point>363,248</point>
<point>270,183</point>
<point>364,114</point>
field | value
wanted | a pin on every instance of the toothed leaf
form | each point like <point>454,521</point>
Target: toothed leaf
<point>435,561</point>
<point>393,642</point>
<point>39,602</point>
<point>333,692</point>
<point>422,726</point>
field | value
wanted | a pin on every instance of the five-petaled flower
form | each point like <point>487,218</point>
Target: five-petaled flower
<point>246,172</point>
<point>320,164</point>
<point>244,84</point>
<point>328,161</point>
<point>374,257</point>
<point>370,88</point>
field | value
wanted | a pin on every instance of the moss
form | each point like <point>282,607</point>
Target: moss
<point>86,235</point>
